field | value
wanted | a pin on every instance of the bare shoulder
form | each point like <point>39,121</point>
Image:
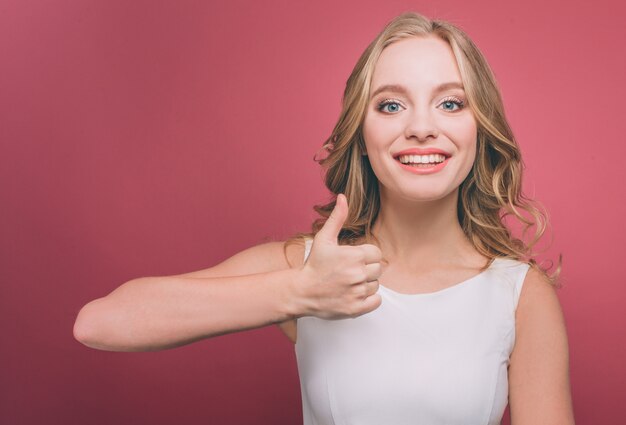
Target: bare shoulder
<point>538,301</point>
<point>539,386</point>
<point>295,254</point>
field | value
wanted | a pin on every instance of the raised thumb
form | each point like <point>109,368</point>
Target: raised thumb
<point>332,226</point>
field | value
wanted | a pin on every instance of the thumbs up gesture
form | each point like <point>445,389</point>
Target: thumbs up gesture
<point>339,281</point>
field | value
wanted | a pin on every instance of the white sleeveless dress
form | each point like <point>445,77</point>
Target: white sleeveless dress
<point>437,358</point>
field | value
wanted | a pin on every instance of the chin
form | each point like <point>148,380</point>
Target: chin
<point>429,195</point>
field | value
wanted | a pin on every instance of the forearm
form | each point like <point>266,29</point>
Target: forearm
<point>155,313</point>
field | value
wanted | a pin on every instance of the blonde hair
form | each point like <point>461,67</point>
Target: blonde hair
<point>491,191</point>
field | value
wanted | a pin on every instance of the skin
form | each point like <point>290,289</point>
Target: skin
<point>418,212</point>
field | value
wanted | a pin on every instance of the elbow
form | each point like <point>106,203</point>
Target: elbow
<point>79,329</point>
<point>103,325</point>
<point>91,328</point>
<point>85,327</point>
<point>100,324</point>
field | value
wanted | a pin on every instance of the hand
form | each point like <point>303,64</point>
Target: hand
<point>340,281</point>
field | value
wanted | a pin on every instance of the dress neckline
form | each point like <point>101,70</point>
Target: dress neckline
<point>444,290</point>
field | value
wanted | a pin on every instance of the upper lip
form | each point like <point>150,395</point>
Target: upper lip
<point>418,151</point>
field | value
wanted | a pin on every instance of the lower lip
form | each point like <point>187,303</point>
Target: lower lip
<point>424,170</point>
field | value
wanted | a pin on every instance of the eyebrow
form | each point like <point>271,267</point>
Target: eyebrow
<point>396,88</point>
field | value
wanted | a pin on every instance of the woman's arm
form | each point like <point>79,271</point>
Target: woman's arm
<point>156,313</point>
<point>539,386</point>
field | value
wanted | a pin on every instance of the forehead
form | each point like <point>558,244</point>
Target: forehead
<point>417,62</point>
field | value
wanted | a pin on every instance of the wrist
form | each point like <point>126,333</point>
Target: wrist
<point>295,300</point>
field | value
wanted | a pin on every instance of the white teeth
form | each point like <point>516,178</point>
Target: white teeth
<point>421,159</point>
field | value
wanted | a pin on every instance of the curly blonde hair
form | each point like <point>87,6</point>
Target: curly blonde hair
<point>491,191</point>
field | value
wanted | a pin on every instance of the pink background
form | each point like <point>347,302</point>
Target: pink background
<point>146,138</point>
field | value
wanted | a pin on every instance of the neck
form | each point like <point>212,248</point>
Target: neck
<point>426,230</point>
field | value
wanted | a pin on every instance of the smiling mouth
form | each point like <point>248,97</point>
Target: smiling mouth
<point>421,161</point>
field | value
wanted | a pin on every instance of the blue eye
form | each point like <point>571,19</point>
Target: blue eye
<point>393,106</point>
<point>451,103</point>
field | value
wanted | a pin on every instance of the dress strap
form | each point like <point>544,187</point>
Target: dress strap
<point>520,277</point>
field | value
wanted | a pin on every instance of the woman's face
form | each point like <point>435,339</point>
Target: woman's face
<point>418,104</point>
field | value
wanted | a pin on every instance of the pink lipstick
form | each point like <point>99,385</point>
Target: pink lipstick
<point>422,169</point>
<point>418,151</point>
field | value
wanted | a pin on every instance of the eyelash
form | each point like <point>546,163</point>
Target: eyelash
<point>455,100</point>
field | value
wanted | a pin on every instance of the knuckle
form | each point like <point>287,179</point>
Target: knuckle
<point>374,249</point>
<point>359,254</point>
<point>379,301</point>
<point>373,287</point>
<point>355,314</point>
<point>364,277</point>
<point>362,256</point>
<point>359,275</point>
<point>348,312</point>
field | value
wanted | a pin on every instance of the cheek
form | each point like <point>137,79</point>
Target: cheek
<point>463,129</point>
<point>379,133</point>
<point>470,145</point>
<point>371,131</point>
<point>464,134</point>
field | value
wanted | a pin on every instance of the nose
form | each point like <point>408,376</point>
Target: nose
<point>421,125</point>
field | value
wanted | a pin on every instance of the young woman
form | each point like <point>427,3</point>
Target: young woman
<point>410,302</point>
